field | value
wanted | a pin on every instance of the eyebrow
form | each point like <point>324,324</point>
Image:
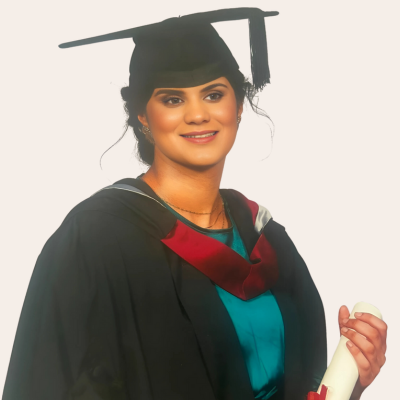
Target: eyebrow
<point>181,92</point>
<point>214,85</point>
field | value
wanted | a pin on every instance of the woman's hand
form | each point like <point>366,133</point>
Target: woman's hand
<point>367,344</point>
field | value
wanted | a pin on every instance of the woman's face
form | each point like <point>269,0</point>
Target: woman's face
<point>178,117</point>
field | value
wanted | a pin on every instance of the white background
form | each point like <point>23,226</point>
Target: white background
<point>332,178</point>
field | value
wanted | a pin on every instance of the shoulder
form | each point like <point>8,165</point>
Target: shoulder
<point>111,207</point>
<point>258,212</point>
<point>90,220</point>
<point>97,222</point>
<point>89,238</point>
<point>101,205</point>
<point>85,229</point>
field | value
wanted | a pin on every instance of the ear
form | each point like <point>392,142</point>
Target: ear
<point>143,119</point>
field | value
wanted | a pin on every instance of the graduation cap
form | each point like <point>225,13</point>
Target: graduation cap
<point>187,51</point>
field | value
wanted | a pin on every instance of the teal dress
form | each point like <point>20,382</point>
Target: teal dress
<point>258,322</point>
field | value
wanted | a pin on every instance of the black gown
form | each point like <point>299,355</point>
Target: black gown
<point>111,313</point>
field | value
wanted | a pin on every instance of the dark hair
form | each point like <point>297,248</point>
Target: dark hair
<point>135,101</point>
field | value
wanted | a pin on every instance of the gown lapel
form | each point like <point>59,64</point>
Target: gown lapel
<point>214,330</point>
<point>277,236</point>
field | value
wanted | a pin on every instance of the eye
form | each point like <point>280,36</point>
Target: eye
<point>214,96</point>
<point>172,100</point>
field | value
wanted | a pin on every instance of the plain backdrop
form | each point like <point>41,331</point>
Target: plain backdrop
<point>331,177</point>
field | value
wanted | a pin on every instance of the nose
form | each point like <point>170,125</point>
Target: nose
<point>196,112</point>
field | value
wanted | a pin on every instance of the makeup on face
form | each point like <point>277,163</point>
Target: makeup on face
<point>195,125</point>
<point>193,113</point>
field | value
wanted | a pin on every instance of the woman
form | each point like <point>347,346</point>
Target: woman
<point>165,286</point>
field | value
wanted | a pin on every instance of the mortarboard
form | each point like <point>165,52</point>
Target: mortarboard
<point>187,51</point>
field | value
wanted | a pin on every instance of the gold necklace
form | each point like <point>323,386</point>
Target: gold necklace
<point>193,212</point>
<point>207,227</point>
<point>223,216</point>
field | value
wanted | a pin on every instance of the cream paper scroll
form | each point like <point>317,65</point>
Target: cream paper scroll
<point>342,373</point>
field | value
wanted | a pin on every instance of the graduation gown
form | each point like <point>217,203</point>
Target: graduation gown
<point>114,313</point>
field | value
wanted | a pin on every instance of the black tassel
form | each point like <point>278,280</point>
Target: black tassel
<point>258,51</point>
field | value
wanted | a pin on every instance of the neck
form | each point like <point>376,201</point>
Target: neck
<point>190,189</point>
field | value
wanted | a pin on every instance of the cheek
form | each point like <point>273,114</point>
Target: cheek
<point>226,114</point>
<point>163,119</point>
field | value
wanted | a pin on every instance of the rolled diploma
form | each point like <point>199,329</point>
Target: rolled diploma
<point>342,373</point>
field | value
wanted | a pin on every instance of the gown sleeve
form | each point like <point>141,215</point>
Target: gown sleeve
<point>313,330</point>
<point>65,347</point>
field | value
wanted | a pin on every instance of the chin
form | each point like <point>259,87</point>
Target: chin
<point>201,166</point>
<point>197,157</point>
<point>202,162</point>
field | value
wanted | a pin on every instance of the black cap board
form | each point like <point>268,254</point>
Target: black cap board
<point>187,51</point>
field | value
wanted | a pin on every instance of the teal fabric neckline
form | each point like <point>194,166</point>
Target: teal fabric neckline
<point>229,236</point>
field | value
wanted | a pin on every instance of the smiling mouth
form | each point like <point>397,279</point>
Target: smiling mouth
<point>201,136</point>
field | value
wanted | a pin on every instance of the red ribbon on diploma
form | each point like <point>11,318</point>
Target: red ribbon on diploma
<point>320,396</point>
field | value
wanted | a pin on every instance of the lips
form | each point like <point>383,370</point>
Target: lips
<point>202,137</point>
<point>199,135</point>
